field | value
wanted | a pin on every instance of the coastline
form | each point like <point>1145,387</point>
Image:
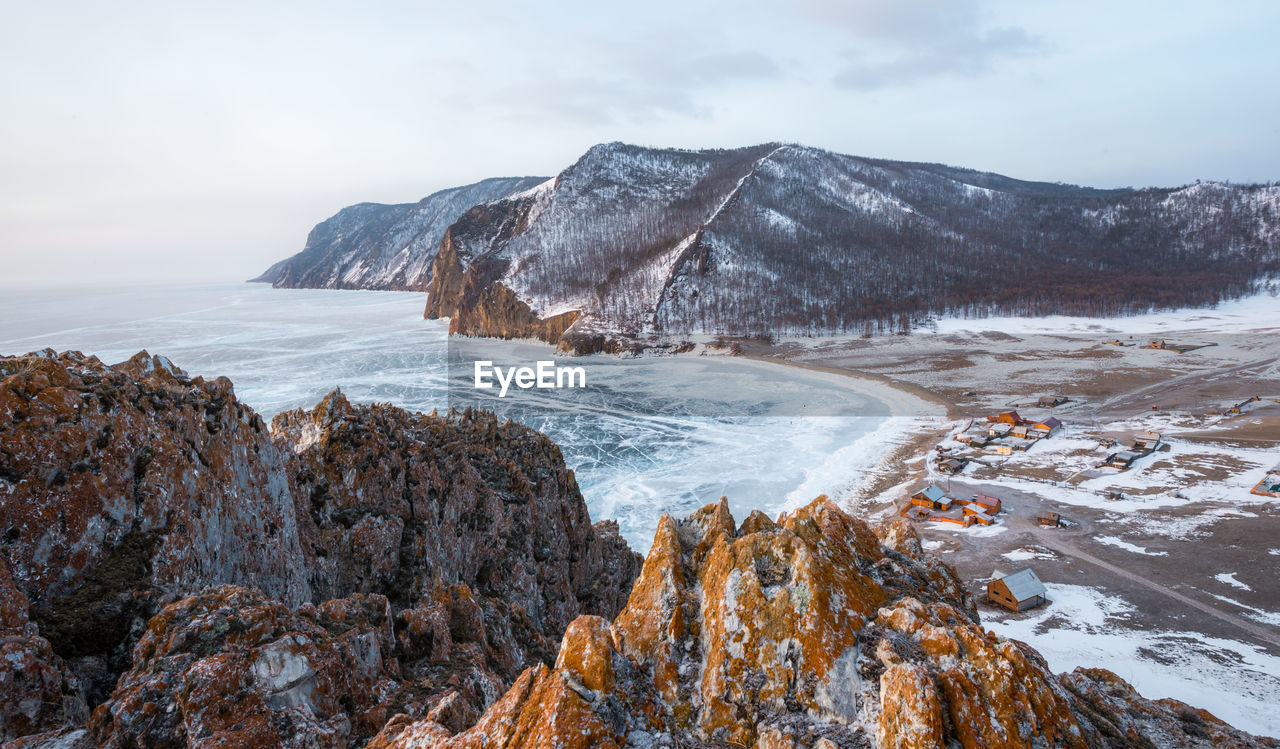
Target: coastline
<point>906,388</point>
<point>897,457</point>
<point>861,461</point>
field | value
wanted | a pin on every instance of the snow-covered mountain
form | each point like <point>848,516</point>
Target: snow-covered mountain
<point>386,247</point>
<point>639,243</point>
<point>634,243</point>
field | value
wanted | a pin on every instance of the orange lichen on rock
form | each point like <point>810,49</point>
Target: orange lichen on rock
<point>594,696</point>
<point>587,652</point>
<point>781,610</point>
<point>540,710</point>
<point>910,708</point>
<point>652,626</point>
<point>996,693</point>
<point>811,632</point>
<point>232,667</point>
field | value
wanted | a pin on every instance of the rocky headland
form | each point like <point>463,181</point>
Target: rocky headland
<point>175,572</point>
<point>384,247</point>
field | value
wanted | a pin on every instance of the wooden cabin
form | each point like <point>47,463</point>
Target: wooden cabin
<point>1181,348</point>
<point>1051,401</point>
<point>1146,441</point>
<point>998,429</point>
<point>1018,592</point>
<point>1049,518</point>
<point>1021,432</point>
<point>1123,459</point>
<point>979,515</point>
<point>1004,450</point>
<point>987,502</point>
<point>932,497</point>
<point>952,466</point>
<point>973,440</point>
<point>1007,417</point>
<point>1048,426</point>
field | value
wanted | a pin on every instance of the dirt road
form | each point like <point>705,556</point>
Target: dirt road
<point>1066,546</point>
<point>1022,509</point>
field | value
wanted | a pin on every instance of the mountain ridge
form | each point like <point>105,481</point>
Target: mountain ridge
<point>384,247</point>
<point>631,244</point>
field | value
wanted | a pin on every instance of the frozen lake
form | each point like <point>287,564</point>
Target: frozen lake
<point>637,450</point>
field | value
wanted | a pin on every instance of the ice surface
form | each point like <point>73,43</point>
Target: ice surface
<point>286,348</point>
<point>282,348</point>
<point>672,433</point>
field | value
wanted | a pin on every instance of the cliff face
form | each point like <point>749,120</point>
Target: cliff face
<point>599,239</point>
<point>465,543</point>
<point>405,502</point>
<point>231,667</point>
<point>38,691</point>
<point>388,247</point>
<point>465,285</point>
<point>124,485</point>
<point>812,631</point>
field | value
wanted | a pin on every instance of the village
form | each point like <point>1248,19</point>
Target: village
<point>1164,563</point>
<point>1000,448</point>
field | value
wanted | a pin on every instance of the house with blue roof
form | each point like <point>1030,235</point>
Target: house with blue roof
<point>932,497</point>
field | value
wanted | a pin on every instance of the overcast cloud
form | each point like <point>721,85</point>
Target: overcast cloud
<point>898,43</point>
<point>165,140</point>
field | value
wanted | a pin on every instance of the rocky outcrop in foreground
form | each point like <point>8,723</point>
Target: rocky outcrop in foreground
<point>387,561</point>
<point>174,573</point>
<point>812,631</point>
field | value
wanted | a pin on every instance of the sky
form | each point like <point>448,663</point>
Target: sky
<point>174,140</point>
